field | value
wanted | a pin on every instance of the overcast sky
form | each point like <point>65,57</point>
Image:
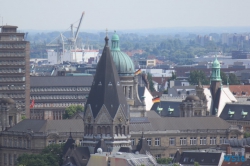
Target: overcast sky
<point>124,14</point>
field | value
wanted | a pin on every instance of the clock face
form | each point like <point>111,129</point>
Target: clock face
<point>120,119</point>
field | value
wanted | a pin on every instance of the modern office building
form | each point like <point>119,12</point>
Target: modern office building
<point>14,67</point>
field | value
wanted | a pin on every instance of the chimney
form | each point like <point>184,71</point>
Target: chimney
<point>228,150</point>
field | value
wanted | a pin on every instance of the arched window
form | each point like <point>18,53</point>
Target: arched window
<point>103,130</point>
<point>123,130</point>
<point>91,130</point>
<point>86,130</point>
<point>116,130</point>
<point>108,130</point>
<point>120,130</point>
<point>98,130</point>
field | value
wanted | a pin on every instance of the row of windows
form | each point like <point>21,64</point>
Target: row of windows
<point>17,143</point>
<point>6,79</point>
<point>149,141</point>
<point>41,105</point>
<point>12,87</point>
<point>10,159</point>
<point>12,54</point>
<point>183,141</point>
<point>12,45</point>
<point>36,89</point>
<point>12,70</point>
<point>59,97</point>
<point>13,96</point>
<point>12,62</point>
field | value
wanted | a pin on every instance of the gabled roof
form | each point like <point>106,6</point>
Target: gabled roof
<point>106,89</point>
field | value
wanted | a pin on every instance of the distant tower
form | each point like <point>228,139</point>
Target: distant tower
<point>106,118</point>
<point>215,86</point>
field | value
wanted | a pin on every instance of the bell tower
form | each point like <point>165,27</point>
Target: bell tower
<point>106,118</point>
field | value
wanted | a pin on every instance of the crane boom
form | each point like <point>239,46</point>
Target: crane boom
<point>80,22</point>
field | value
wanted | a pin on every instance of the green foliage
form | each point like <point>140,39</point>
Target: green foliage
<point>23,117</point>
<point>231,79</point>
<point>151,84</point>
<point>196,164</point>
<point>71,110</point>
<point>164,160</point>
<point>196,76</point>
<point>50,156</point>
<point>246,134</point>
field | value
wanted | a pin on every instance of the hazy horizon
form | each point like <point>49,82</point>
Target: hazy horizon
<point>57,15</point>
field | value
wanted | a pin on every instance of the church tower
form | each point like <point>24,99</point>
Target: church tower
<point>215,86</point>
<point>106,118</point>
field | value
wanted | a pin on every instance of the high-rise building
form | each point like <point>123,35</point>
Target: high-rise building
<point>14,67</point>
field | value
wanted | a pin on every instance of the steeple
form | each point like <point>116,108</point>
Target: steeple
<point>106,115</point>
<point>106,89</point>
<point>216,70</point>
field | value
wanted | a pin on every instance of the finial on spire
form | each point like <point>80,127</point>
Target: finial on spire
<point>106,31</point>
<point>106,38</point>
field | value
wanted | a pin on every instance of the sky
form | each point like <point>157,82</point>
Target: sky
<point>124,14</point>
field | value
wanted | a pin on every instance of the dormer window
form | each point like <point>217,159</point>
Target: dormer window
<point>118,83</point>
<point>244,114</point>
<point>100,83</point>
<point>170,110</point>
<point>230,113</point>
<point>110,84</point>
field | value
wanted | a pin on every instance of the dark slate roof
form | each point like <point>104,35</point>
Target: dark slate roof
<point>45,81</point>
<point>203,158</point>
<point>106,89</point>
<point>165,105</point>
<point>180,123</point>
<point>237,109</point>
<point>177,157</point>
<point>73,125</point>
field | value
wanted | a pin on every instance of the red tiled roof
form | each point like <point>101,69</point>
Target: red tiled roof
<point>240,90</point>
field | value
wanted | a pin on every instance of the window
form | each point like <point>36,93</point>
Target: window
<point>132,141</point>
<point>203,140</point>
<point>185,159</point>
<point>157,156</point>
<point>193,141</point>
<point>212,140</point>
<point>222,140</point>
<point>149,141</point>
<point>183,141</point>
<point>171,156</point>
<point>5,158</point>
<point>157,141</point>
<point>233,137</point>
<point>10,159</point>
<point>81,142</point>
<point>172,141</point>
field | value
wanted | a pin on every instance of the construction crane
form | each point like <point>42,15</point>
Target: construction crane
<point>70,42</point>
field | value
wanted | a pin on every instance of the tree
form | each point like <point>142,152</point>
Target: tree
<point>50,156</point>
<point>151,84</point>
<point>71,110</point>
<point>233,80</point>
<point>246,134</point>
<point>223,78</point>
<point>164,160</point>
<point>196,164</point>
<point>196,76</point>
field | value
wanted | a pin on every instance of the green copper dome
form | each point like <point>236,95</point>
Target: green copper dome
<point>216,63</point>
<point>123,62</point>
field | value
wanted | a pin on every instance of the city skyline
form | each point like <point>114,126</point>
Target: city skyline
<point>123,15</point>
